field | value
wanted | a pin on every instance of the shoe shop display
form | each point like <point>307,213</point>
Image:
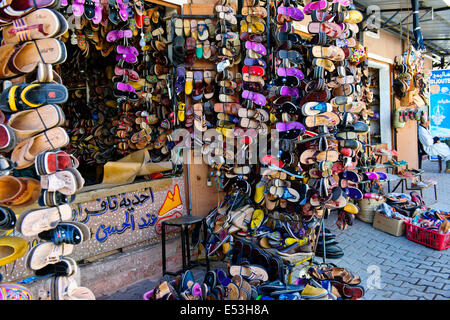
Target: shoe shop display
<point>287,121</point>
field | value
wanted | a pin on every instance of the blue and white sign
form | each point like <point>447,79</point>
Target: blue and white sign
<point>440,103</point>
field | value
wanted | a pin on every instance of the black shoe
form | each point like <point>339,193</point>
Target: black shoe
<point>331,252</point>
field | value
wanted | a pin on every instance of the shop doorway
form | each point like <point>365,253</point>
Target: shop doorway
<point>380,124</point>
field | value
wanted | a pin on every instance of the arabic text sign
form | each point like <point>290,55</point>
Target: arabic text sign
<point>118,221</point>
<point>440,103</point>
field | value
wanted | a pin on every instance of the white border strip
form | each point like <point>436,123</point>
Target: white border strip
<point>380,58</point>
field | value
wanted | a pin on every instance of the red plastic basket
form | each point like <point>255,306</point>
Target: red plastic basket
<point>427,237</point>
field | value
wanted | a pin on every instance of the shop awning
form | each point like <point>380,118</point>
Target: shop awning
<point>396,16</point>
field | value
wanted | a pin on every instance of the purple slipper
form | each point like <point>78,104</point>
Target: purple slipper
<point>125,87</point>
<point>222,277</point>
<point>257,98</point>
<point>294,13</point>
<point>255,46</point>
<point>371,175</point>
<point>255,62</point>
<point>349,175</point>
<point>148,295</point>
<point>130,58</point>
<point>127,50</point>
<point>285,126</point>
<point>381,175</point>
<point>353,193</point>
<point>286,91</point>
<point>285,72</point>
<point>180,81</point>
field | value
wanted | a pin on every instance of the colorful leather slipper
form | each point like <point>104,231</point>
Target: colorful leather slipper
<point>18,8</point>
<point>27,96</point>
<point>23,29</point>
<point>14,291</point>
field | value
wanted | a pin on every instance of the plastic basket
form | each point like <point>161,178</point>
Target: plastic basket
<point>427,237</point>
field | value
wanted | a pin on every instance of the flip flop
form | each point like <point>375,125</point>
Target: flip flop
<point>27,96</point>
<point>295,13</point>
<point>326,118</point>
<point>311,156</point>
<point>331,29</point>
<point>257,98</point>
<point>286,193</point>
<point>332,52</point>
<point>250,272</point>
<point>256,46</point>
<point>23,29</point>
<point>315,5</point>
<point>315,108</point>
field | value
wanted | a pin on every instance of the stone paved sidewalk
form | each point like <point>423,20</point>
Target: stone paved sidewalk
<point>390,267</point>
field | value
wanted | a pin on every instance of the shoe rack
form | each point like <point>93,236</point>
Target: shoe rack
<point>374,117</point>
<point>199,176</point>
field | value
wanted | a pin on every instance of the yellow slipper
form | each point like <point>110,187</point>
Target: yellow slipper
<point>189,84</point>
<point>259,193</point>
<point>11,249</point>
<point>257,219</point>
<point>353,16</point>
<point>181,111</point>
<point>351,208</point>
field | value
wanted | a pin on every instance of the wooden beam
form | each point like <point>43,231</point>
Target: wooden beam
<point>165,4</point>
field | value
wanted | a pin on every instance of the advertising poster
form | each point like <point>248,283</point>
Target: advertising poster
<point>440,103</point>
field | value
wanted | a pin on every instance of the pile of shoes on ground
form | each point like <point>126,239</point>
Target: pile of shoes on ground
<point>34,169</point>
<point>250,282</point>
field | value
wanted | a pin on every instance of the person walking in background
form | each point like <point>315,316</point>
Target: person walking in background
<point>432,145</point>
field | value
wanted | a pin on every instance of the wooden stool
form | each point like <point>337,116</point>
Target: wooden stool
<point>184,222</point>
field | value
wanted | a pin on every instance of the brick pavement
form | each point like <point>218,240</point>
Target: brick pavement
<point>390,267</point>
